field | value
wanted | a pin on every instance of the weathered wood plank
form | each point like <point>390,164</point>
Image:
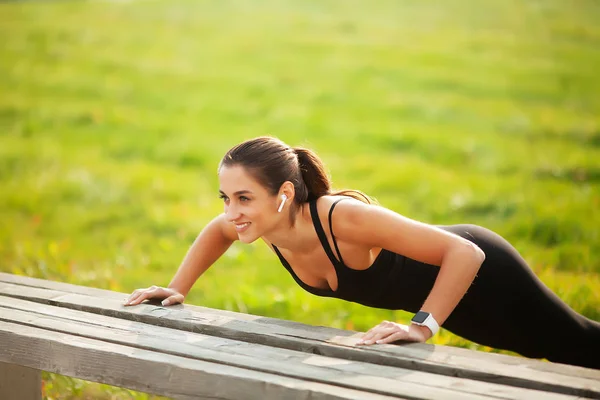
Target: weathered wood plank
<point>349,374</point>
<point>138,369</point>
<point>20,383</point>
<point>59,286</point>
<point>443,360</point>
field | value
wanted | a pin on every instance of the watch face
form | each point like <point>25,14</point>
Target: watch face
<point>420,317</point>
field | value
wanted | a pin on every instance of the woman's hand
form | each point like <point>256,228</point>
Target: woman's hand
<point>388,332</point>
<point>167,295</point>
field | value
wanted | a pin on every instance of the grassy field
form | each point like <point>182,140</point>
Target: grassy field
<point>114,115</point>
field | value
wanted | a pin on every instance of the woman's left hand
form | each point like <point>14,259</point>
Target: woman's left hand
<point>388,332</point>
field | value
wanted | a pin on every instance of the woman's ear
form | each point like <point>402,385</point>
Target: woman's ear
<point>287,189</point>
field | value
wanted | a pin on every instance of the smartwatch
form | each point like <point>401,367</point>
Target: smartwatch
<point>423,318</point>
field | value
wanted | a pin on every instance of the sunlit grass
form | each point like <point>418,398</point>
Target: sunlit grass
<point>114,115</point>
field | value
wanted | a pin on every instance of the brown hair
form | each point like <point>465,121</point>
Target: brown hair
<point>271,162</point>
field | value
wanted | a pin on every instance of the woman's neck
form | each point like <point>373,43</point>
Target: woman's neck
<point>297,238</point>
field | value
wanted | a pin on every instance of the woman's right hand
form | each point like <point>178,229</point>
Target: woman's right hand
<point>167,295</point>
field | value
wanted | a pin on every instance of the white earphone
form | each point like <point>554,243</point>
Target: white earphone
<point>283,199</point>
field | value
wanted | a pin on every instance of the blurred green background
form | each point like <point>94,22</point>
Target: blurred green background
<point>114,116</point>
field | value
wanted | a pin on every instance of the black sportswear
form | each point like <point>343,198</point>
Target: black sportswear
<point>506,307</point>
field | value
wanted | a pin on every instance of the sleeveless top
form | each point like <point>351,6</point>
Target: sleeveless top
<point>390,282</point>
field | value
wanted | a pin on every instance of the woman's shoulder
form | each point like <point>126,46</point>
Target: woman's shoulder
<point>351,219</point>
<point>330,199</point>
<point>343,205</point>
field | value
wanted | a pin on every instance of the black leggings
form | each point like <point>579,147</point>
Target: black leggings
<point>508,307</point>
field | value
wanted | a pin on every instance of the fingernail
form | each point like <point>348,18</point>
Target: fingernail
<point>165,302</point>
<point>360,342</point>
<point>379,341</point>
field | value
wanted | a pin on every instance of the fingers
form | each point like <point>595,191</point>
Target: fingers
<point>375,336</point>
<point>400,335</point>
<point>175,299</point>
<point>136,293</point>
<point>385,332</point>
<point>170,296</point>
<point>383,329</point>
<point>140,295</point>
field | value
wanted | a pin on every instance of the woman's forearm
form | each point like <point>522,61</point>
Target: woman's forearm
<point>459,268</point>
<point>210,244</point>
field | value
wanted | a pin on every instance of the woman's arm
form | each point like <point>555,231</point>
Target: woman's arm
<point>458,258</point>
<point>210,244</point>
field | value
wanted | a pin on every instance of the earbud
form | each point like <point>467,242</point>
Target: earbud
<point>283,199</point>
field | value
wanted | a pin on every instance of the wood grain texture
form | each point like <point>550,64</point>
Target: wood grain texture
<point>443,360</point>
<point>147,371</point>
<point>350,374</point>
<point>19,383</point>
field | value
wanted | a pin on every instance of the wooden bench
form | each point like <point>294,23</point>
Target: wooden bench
<point>186,352</point>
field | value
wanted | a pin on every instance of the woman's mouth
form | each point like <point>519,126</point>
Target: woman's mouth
<point>242,227</point>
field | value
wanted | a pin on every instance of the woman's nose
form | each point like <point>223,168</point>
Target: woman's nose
<point>231,213</point>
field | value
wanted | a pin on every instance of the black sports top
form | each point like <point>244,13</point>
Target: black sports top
<point>490,313</point>
<point>376,286</point>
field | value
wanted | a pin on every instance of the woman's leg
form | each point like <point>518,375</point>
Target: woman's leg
<point>508,307</point>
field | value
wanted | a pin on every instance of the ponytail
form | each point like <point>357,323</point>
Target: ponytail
<point>316,181</point>
<point>314,176</point>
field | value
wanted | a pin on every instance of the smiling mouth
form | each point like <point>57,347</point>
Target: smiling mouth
<point>241,227</point>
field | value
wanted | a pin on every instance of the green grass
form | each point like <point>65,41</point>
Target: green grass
<point>114,115</point>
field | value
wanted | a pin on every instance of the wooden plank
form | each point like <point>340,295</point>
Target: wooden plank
<point>20,383</point>
<point>138,369</point>
<point>443,360</point>
<point>59,286</point>
<point>353,375</point>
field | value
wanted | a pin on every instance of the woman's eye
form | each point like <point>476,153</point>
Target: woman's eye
<point>244,198</point>
<point>224,198</point>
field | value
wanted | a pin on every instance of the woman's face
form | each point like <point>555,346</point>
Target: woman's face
<point>248,204</point>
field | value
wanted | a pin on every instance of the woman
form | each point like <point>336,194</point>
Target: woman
<point>464,277</point>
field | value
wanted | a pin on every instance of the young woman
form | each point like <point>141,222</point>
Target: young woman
<point>464,277</point>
